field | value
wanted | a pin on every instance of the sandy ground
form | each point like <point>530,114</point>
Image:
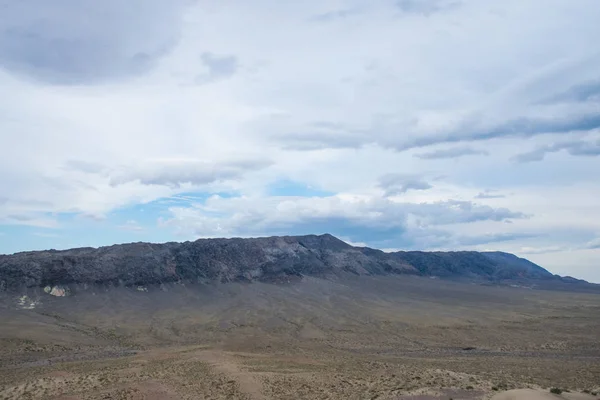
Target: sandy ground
<point>353,339</point>
<point>531,394</point>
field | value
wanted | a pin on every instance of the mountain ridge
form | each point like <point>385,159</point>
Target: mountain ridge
<point>267,259</point>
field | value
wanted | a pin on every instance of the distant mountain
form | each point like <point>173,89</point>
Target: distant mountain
<point>269,259</point>
<point>473,265</point>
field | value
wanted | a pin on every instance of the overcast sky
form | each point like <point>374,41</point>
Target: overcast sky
<point>398,124</point>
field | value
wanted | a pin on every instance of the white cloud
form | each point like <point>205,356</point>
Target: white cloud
<point>175,172</point>
<point>364,218</point>
<point>581,148</point>
<point>397,184</point>
<point>28,219</point>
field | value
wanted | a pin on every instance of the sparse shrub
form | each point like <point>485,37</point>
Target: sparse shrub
<point>556,391</point>
<point>470,387</point>
<point>495,388</point>
<point>586,391</point>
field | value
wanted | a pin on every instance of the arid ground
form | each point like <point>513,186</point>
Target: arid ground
<point>393,337</point>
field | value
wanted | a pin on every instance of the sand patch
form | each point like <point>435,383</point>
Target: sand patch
<point>309,331</point>
<point>227,364</point>
<point>532,394</point>
<point>60,374</point>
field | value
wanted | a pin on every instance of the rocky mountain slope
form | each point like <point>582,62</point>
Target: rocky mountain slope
<point>270,259</point>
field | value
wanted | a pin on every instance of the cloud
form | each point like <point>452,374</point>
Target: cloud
<point>29,219</point>
<point>453,152</point>
<point>574,148</point>
<point>319,135</point>
<point>472,129</point>
<point>426,7</point>
<point>396,184</point>
<point>450,127</point>
<point>86,41</point>
<point>116,106</point>
<point>359,218</point>
<point>489,194</point>
<point>335,14</point>
<point>176,172</point>
<point>582,92</point>
<point>84,166</point>
<point>219,67</point>
<point>493,238</point>
<point>593,244</point>
<point>456,211</point>
<point>543,250</point>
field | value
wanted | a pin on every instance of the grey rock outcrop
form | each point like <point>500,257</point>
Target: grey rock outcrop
<point>271,259</point>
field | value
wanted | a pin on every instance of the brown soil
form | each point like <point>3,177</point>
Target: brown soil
<point>365,338</point>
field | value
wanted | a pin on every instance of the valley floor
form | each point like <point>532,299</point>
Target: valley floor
<point>354,338</point>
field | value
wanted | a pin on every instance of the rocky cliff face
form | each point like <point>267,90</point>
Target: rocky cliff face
<point>272,259</point>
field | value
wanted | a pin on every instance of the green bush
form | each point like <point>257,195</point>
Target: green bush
<point>495,388</point>
<point>556,391</point>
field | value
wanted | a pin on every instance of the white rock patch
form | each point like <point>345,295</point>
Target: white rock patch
<point>57,291</point>
<point>26,303</point>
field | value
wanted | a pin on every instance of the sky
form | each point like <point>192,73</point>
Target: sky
<point>397,124</point>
